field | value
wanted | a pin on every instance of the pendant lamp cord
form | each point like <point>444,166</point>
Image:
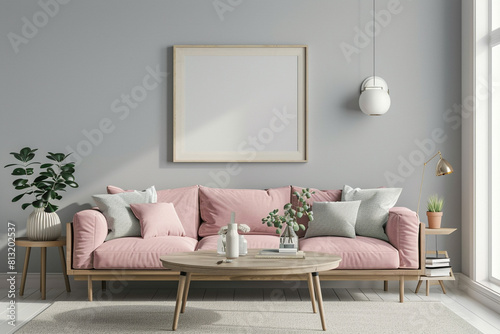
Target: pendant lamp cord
<point>373,14</point>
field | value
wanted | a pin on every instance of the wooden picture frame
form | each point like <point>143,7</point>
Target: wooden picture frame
<point>240,103</point>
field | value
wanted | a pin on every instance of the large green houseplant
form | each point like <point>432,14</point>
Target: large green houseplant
<point>44,188</point>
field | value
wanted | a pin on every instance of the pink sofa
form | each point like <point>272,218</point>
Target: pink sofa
<point>202,211</point>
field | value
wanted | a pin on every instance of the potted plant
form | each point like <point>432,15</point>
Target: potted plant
<point>434,211</point>
<point>53,177</point>
<point>289,238</point>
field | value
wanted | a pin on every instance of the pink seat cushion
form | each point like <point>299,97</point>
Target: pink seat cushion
<point>250,206</point>
<point>254,241</point>
<point>319,196</point>
<point>139,253</point>
<point>185,202</point>
<point>158,219</point>
<point>357,253</point>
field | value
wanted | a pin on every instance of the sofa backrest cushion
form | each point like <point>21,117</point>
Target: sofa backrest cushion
<point>249,205</point>
<point>186,204</point>
<point>318,196</point>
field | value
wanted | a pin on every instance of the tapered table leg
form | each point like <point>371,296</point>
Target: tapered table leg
<point>25,270</point>
<point>319,296</point>
<point>63,264</point>
<point>178,300</point>
<point>442,286</point>
<point>427,286</point>
<point>418,286</point>
<point>44,272</point>
<point>186,291</point>
<point>310,284</point>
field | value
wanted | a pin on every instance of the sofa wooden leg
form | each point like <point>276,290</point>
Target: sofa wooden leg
<point>401,289</point>
<point>103,285</point>
<point>386,285</point>
<point>89,287</point>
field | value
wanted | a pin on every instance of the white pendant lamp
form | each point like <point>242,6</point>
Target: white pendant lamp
<point>374,99</point>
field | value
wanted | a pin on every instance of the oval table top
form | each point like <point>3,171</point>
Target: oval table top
<point>205,262</point>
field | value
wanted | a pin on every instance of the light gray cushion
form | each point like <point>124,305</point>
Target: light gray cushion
<point>374,209</point>
<point>333,219</point>
<point>119,216</point>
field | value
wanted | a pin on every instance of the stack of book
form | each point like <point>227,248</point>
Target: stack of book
<point>281,253</point>
<point>437,266</point>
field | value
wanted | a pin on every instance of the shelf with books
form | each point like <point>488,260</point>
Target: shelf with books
<point>438,267</point>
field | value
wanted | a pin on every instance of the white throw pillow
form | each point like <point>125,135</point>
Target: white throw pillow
<point>374,209</point>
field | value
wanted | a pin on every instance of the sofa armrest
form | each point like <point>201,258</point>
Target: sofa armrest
<point>402,229</point>
<point>89,232</point>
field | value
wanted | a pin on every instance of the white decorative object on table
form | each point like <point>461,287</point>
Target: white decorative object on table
<point>232,239</point>
<point>243,245</point>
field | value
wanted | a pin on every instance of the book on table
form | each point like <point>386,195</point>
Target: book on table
<point>442,271</point>
<point>434,260</point>
<point>287,250</point>
<point>276,254</point>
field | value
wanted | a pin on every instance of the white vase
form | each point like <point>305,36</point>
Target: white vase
<point>43,226</point>
<point>243,245</point>
<point>232,241</point>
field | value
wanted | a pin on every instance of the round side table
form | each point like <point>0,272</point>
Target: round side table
<point>25,242</point>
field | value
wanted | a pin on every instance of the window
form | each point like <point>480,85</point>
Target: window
<point>494,72</point>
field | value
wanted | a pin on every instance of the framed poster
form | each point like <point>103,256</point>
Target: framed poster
<point>240,103</point>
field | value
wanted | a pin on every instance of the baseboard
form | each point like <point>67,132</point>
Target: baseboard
<point>480,292</point>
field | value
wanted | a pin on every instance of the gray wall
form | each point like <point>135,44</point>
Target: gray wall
<point>66,76</point>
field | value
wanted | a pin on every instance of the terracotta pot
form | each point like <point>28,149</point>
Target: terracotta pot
<point>434,219</point>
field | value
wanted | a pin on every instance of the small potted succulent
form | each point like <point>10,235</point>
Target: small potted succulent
<point>53,177</point>
<point>434,211</point>
<point>286,224</point>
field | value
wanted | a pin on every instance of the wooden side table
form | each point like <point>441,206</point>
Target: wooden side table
<point>25,242</point>
<point>440,279</point>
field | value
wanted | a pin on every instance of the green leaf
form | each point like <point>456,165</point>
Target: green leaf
<point>29,171</point>
<point>278,231</point>
<point>67,176</point>
<point>18,156</point>
<point>50,208</point>
<point>46,196</point>
<point>72,184</point>
<point>295,227</point>
<point>299,214</point>
<point>19,182</point>
<point>269,224</point>
<point>24,186</point>
<point>302,227</point>
<point>38,204</point>
<point>18,197</point>
<point>40,179</point>
<point>25,205</point>
<point>59,186</point>
<point>10,165</point>
<point>19,171</point>
<point>46,165</point>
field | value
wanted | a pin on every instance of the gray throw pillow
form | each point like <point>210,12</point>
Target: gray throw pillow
<point>374,209</point>
<point>333,219</point>
<point>119,216</point>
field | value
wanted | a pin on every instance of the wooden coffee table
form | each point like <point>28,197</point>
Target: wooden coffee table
<point>205,263</point>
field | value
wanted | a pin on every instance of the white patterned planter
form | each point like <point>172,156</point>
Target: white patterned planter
<point>43,226</point>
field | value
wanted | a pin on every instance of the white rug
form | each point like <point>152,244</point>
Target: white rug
<point>247,317</point>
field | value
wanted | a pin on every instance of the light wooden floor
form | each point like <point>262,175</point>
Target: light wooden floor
<point>30,304</point>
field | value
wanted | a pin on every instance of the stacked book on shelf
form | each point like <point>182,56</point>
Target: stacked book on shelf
<point>437,266</point>
<point>280,253</point>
